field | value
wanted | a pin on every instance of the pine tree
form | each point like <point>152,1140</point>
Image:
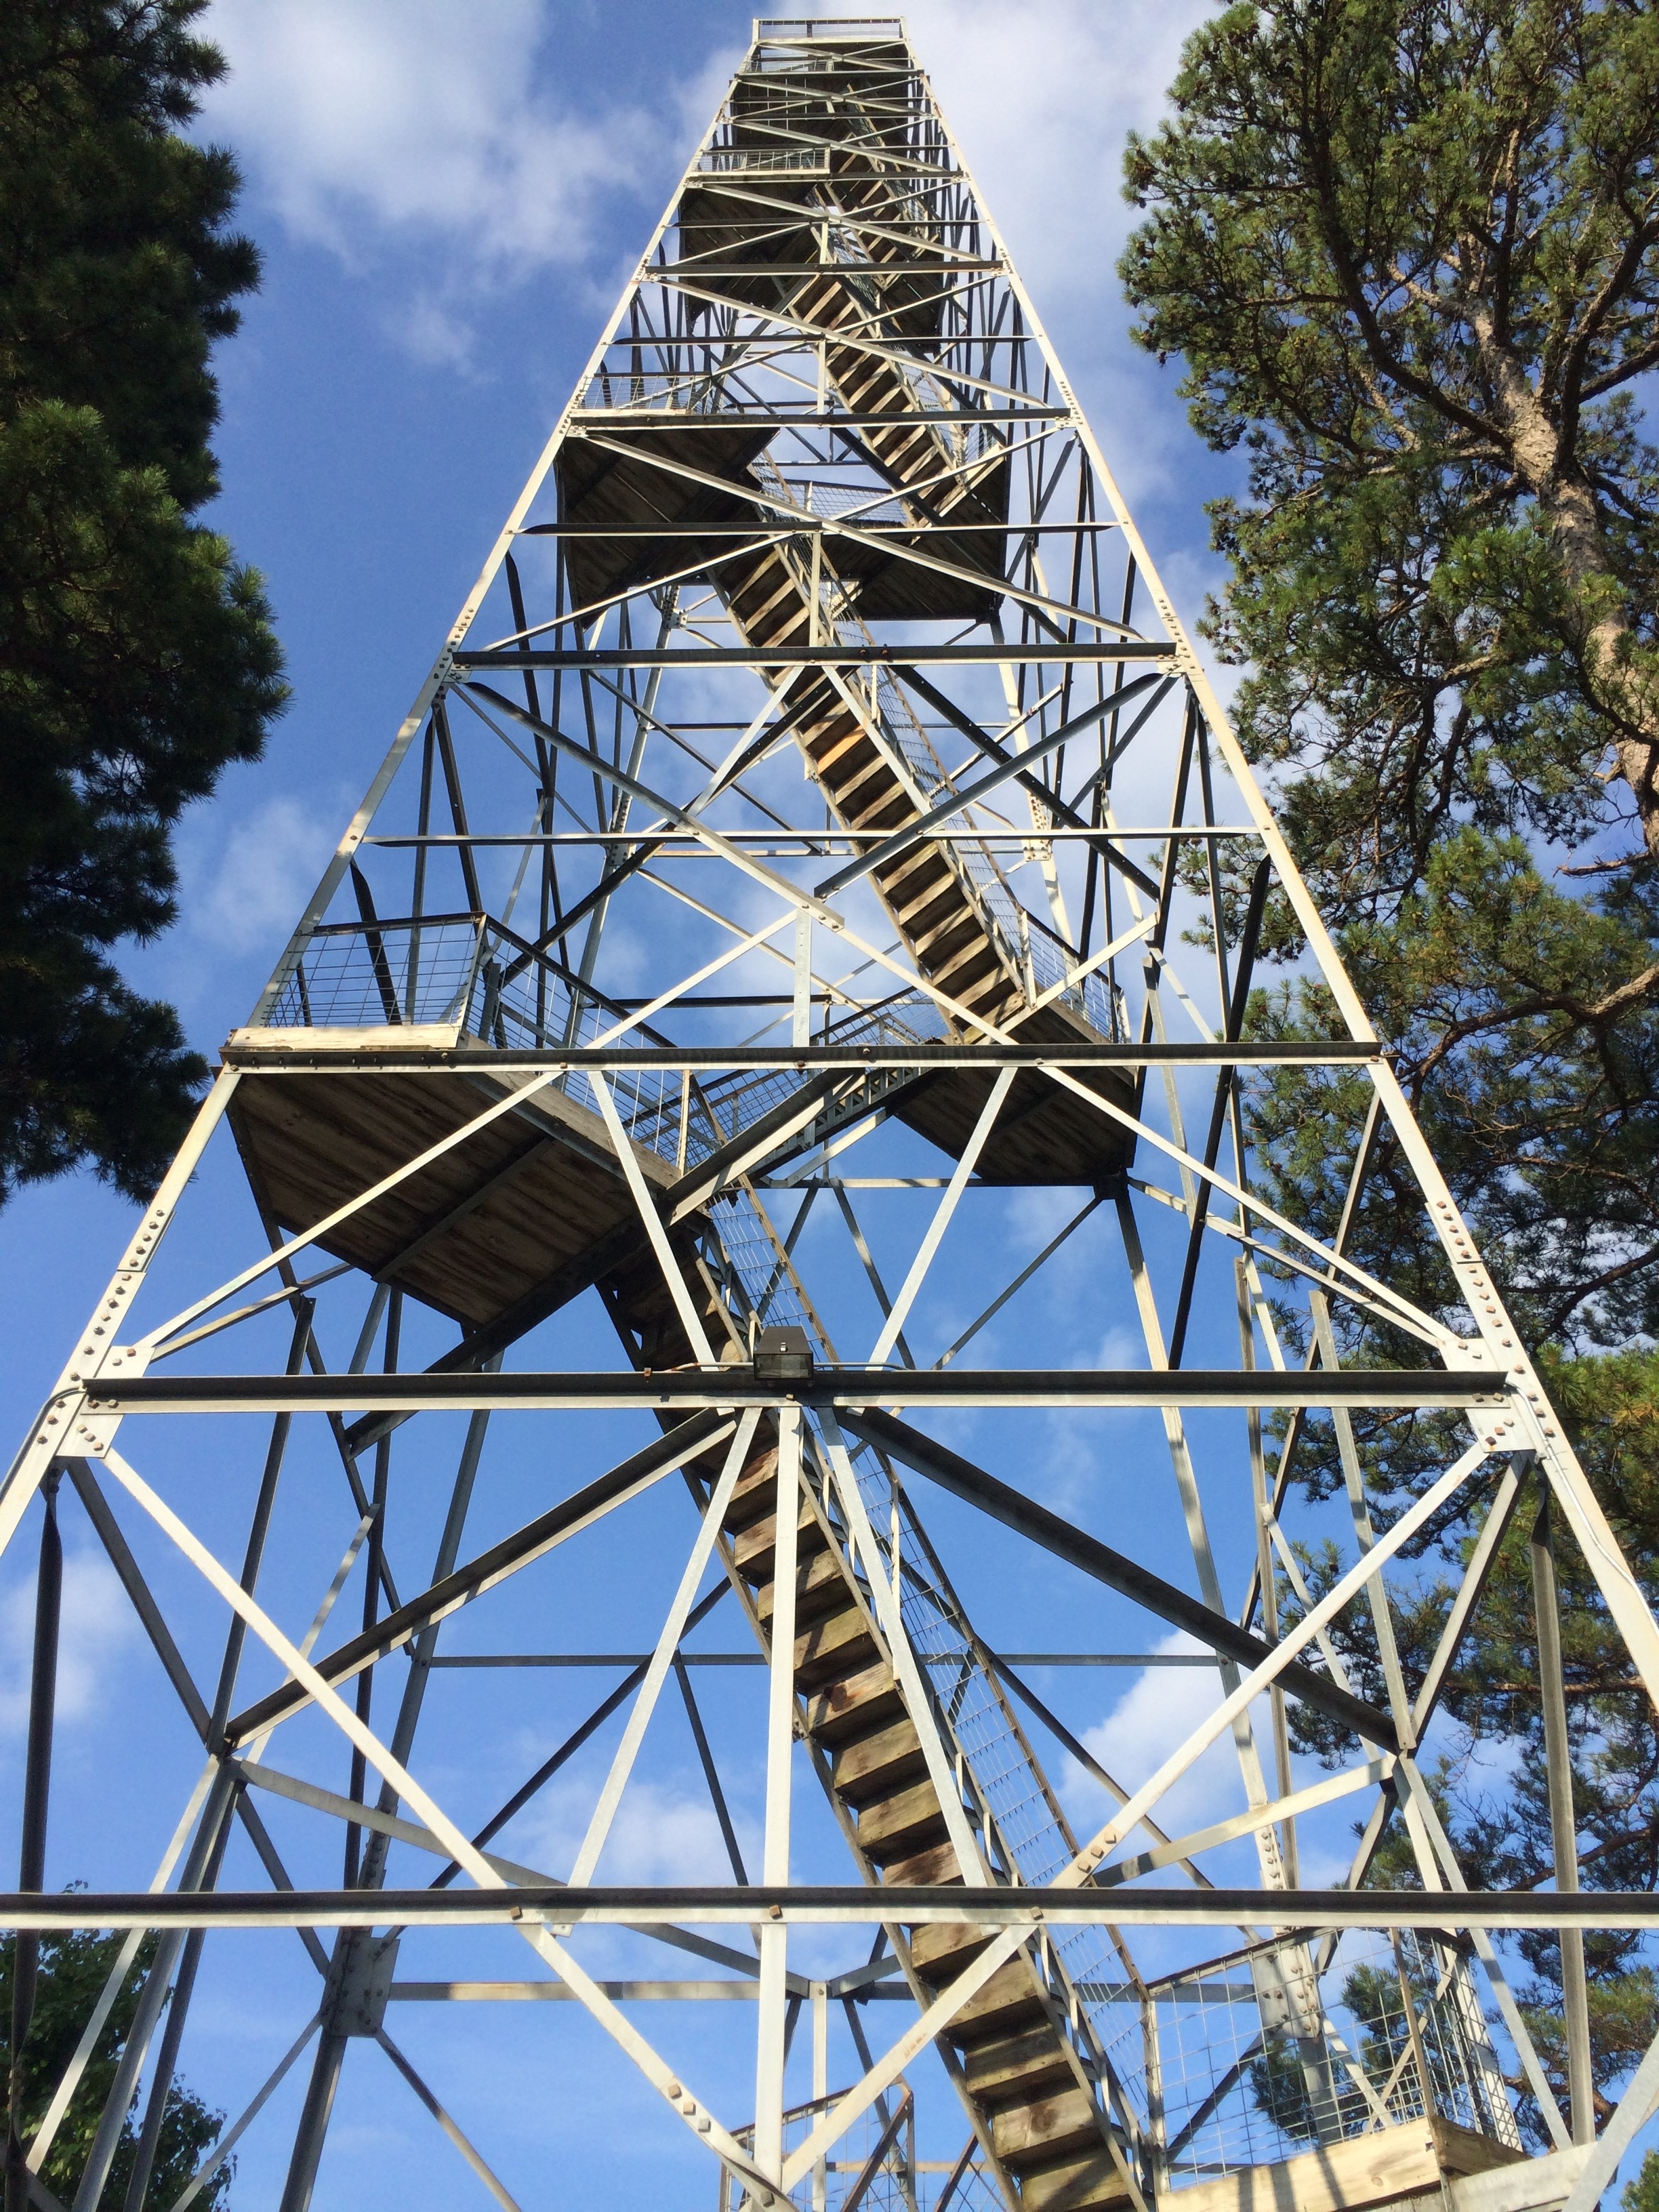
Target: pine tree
<point>1408,250</point>
<point>137,656</point>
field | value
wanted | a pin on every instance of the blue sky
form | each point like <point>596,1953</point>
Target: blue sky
<point>448,198</point>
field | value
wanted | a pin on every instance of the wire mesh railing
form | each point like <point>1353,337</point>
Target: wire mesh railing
<point>468,975</point>
<point>1209,2078</point>
<point>1402,2038</point>
<point>1026,1837</point>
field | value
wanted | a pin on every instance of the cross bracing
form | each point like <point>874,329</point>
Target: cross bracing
<point>816,831</point>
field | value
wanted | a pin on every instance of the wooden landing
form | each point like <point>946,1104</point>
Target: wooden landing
<point>527,1213</point>
<point>1044,1135</point>
<point>1388,2167</point>
<point>531,1208</point>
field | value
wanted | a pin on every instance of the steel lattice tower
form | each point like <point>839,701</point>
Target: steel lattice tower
<point>817,809</point>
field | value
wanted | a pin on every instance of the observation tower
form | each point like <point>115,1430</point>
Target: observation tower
<point>736,1250</point>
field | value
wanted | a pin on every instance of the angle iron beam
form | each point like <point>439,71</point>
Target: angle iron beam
<point>757,530</point>
<point>1042,652</point>
<point>1443,1912</point>
<point>680,418</point>
<point>1130,1389</point>
<point>1014,1511</point>
<point>278,1056</point>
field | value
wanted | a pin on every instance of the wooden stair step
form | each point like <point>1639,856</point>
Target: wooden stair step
<point>921,861</point>
<point>838,742</point>
<point>840,1644</point>
<point>950,969</point>
<point>852,790</point>
<point>889,812</point>
<point>1017,2068</point>
<point>954,944</point>
<point>901,1823</point>
<point>820,1586</point>
<point>864,791</point>
<point>1007,2002</point>
<point>924,902</point>
<point>782,595</point>
<point>754,1496</point>
<point>903,878</point>
<point>867,1766</point>
<point>1078,2183</point>
<point>939,1949</point>
<point>756,1545</point>
<point>1032,2133</point>
<point>854,1705</point>
<point>937,1863</point>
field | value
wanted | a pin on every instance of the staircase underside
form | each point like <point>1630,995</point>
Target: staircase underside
<point>1019,2072</point>
<point>533,1209</point>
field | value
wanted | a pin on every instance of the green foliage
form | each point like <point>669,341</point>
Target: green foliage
<point>1406,248</point>
<point>73,1970</point>
<point>1528,1039</point>
<point>1371,1994</point>
<point>137,657</point>
<point>1279,2088</point>
<point>1642,2195</point>
<point>1409,252</point>
<point>1609,1405</point>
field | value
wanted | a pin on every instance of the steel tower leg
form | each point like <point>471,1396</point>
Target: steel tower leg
<point>822,658</point>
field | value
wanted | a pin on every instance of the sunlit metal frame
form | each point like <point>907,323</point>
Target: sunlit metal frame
<point>120,1374</point>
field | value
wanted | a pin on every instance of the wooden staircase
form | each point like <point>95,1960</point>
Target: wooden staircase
<point>786,596</point>
<point>1026,2082</point>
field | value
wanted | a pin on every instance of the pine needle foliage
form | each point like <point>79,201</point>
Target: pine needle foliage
<point>137,658</point>
<point>1408,254</point>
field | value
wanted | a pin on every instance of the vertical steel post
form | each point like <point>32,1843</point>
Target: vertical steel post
<point>32,1852</point>
<point>780,1756</point>
<point>801,1032</point>
<point>1564,1837</point>
<point>820,2083</point>
<point>313,2121</point>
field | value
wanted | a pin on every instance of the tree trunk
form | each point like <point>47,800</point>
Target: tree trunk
<point>1620,686</point>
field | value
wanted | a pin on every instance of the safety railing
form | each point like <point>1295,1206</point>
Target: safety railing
<point>471,975</point>
<point>1403,2037</point>
<point>1200,2068</point>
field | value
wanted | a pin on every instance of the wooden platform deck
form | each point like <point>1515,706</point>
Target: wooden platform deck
<point>529,1211</point>
<point>1420,2159</point>
<point>523,1215</point>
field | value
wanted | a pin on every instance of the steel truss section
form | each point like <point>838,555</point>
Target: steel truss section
<point>817,793</point>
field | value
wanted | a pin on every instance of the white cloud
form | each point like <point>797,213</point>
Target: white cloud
<point>97,1627</point>
<point>368,125</point>
<point>1122,1347</point>
<point>1040,95</point>
<point>415,117</point>
<point>445,156</point>
<point>661,1833</point>
<point>1151,1719</point>
<point>250,891</point>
